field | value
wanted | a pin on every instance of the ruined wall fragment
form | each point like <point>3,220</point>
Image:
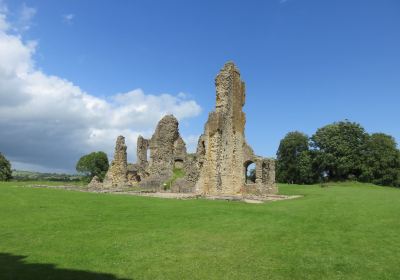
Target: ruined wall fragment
<point>165,145</point>
<point>117,173</point>
<point>222,151</point>
<point>223,138</point>
<point>141,150</point>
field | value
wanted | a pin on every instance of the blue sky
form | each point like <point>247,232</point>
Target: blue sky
<point>305,63</point>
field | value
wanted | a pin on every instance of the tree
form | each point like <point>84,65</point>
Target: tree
<point>381,161</point>
<point>5,169</point>
<point>339,150</point>
<point>294,161</point>
<point>93,164</point>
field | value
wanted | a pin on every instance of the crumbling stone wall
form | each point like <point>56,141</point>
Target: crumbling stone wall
<point>162,146</point>
<point>141,150</point>
<point>180,153</point>
<point>117,173</point>
<point>95,183</point>
<point>222,150</point>
<point>223,139</point>
<point>222,156</point>
<point>167,150</point>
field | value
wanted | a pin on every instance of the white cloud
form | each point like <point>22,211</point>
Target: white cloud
<point>68,18</point>
<point>48,121</point>
<point>24,20</point>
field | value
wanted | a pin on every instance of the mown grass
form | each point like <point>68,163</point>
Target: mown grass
<point>342,231</point>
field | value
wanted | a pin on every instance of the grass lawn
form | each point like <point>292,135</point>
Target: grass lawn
<point>344,231</point>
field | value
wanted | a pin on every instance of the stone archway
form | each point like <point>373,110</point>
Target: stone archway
<point>250,172</point>
<point>178,163</point>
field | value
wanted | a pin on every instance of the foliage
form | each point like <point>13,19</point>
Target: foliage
<point>294,161</point>
<point>344,231</point>
<point>339,150</point>
<point>381,161</point>
<point>93,164</point>
<point>5,169</point>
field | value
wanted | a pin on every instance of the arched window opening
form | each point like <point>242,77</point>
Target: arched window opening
<point>148,154</point>
<point>250,172</point>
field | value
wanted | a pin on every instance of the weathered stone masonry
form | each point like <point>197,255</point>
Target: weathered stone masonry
<point>219,165</point>
<point>117,174</point>
<point>223,150</point>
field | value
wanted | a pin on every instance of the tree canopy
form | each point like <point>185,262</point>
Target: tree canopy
<point>294,164</point>
<point>5,169</point>
<point>339,151</point>
<point>381,161</point>
<point>93,164</point>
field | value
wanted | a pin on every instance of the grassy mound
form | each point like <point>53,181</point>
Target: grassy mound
<point>342,231</point>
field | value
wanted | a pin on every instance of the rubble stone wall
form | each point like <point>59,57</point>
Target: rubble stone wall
<point>141,150</point>
<point>222,149</point>
<point>117,173</point>
<point>219,165</point>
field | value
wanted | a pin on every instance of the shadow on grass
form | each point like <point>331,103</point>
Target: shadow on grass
<point>14,268</point>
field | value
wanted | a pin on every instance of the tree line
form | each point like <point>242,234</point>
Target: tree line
<point>337,152</point>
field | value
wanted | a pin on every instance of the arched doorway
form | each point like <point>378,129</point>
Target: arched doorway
<point>178,163</point>
<point>250,172</point>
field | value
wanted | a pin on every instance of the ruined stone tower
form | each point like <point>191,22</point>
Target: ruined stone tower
<point>117,173</point>
<point>223,154</point>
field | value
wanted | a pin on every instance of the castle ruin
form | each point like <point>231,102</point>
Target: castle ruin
<point>220,163</point>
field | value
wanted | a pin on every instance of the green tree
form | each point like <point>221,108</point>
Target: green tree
<point>294,160</point>
<point>381,161</point>
<point>93,164</point>
<point>5,169</point>
<point>339,150</point>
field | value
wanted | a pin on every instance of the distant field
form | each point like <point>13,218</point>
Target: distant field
<point>38,176</point>
<point>344,231</point>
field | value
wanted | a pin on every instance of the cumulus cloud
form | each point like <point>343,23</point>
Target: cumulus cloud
<point>48,122</point>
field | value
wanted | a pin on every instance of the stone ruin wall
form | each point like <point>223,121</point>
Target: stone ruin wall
<point>223,139</point>
<point>117,174</point>
<point>223,152</point>
<point>219,165</point>
<point>166,146</point>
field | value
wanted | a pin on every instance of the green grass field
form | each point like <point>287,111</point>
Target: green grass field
<point>344,231</point>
